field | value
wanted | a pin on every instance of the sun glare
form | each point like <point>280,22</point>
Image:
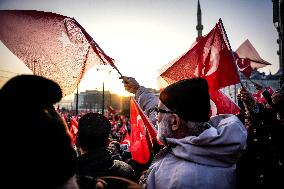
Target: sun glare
<point>96,77</point>
<point>119,90</point>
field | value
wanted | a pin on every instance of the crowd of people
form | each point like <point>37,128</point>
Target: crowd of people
<point>198,151</point>
<point>261,165</point>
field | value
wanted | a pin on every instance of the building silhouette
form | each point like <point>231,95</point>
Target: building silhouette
<point>199,26</point>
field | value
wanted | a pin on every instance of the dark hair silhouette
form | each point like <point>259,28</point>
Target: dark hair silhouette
<point>37,146</point>
<point>93,131</point>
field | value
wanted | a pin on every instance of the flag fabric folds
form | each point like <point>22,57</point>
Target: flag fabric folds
<point>140,135</point>
<point>221,104</point>
<point>247,51</point>
<point>248,59</point>
<point>126,140</point>
<point>73,129</point>
<point>259,98</point>
<point>51,45</point>
<point>111,110</point>
<point>244,65</point>
<point>210,58</point>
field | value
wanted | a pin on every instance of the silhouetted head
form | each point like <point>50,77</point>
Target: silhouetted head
<point>93,131</point>
<point>36,143</point>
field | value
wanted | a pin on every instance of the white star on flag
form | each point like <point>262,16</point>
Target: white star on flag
<point>65,40</point>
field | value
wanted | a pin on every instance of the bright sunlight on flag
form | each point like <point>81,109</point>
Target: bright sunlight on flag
<point>51,45</point>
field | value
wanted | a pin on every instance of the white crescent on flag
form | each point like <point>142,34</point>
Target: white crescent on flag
<point>214,61</point>
<point>214,109</point>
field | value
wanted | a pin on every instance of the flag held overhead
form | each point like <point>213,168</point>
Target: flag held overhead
<point>247,51</point>
<point>210,57</point>
<point>248,59</point>
<point>51,45</point>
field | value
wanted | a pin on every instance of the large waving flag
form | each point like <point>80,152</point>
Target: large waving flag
<point>142,136</point>
<point>51,45</point>
<point>246,52</point>
<point>210,58</point>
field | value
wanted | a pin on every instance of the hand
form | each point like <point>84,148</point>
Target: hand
<point>246,97</point>
<point>130,84</point>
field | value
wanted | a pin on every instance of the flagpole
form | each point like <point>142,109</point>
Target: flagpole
<point>233,57</point>
<point>95,46</point>
<point>245,106</point>
<point>103,99</point>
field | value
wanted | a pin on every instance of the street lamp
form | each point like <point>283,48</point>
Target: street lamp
<point>103,93</point>
<point>77,97</point>
<point>103,99</point>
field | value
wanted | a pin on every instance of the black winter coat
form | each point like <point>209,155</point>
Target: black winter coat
<point>99,163</point>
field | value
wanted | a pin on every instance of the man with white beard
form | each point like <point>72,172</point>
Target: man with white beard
<point>200,152</point>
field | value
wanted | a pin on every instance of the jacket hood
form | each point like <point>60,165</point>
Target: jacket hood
<point>221,145</point>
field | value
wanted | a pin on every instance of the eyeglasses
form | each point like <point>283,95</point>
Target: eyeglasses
<point>156,109</point>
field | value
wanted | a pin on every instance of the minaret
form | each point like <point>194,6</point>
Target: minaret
<point>199,26</point>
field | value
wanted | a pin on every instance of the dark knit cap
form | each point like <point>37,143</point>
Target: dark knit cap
<point>189,98</point>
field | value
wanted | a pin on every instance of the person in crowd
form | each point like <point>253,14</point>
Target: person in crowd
<point>277,99</point>
<point>36,145</point>
<point>95,159</point>
<point>112,182</point>
<point>199,152</point>
<point>114,147</point>
<point>261,166</point>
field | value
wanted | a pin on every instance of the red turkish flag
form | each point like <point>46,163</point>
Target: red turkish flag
<point>221,104</point>
<point>210,58</point>
<point>248,59</point>
<point>51,45</point>
<point>111,110</point>
<point>244,65</point>
<point>259,97</point>
<point>247,51</point>
<point>141,141</point>
<point>73,129</point>
<point>126,140</point>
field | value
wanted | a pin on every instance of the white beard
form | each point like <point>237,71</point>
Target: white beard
<point>163,131</point>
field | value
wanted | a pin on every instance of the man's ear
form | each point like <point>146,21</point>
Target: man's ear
<point>175,122</point>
